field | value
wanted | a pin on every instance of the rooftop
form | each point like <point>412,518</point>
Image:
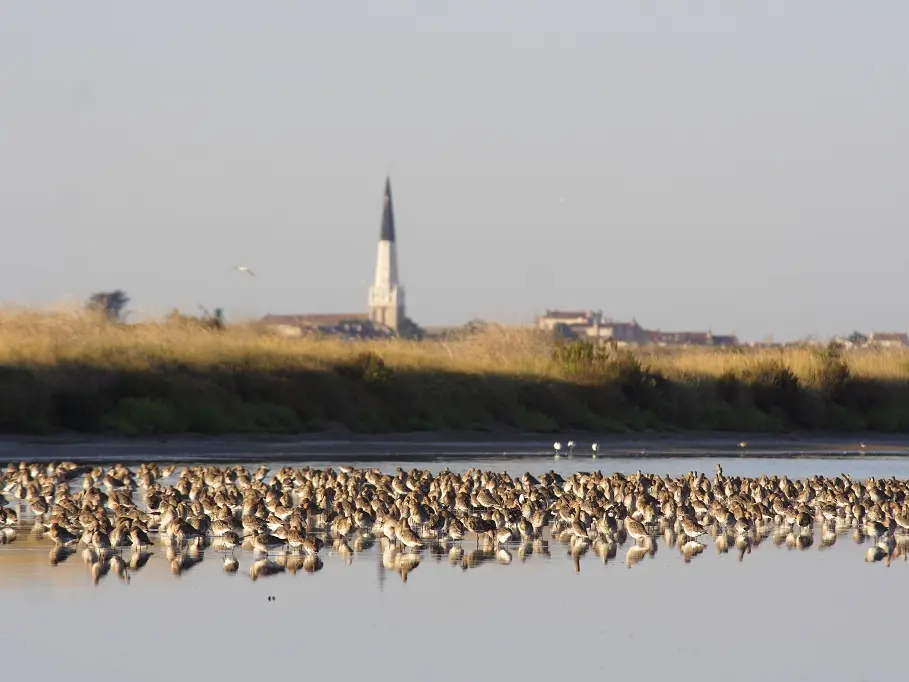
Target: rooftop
<point>317,320</point>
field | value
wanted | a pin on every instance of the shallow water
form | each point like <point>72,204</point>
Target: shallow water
<point>423,447</point>
<point>774,612</point>
<point>794,467</point>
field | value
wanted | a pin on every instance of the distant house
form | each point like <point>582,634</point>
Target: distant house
<point>622,333</point>
<point>567,318</point>
<point>662,338</point>
<point>725,340</point>
<point>888,339</point>
<point>591,325</point>
<point>444,332</point>
<point>566,331</point>
<point>348,325</point>
<point>312,321</point>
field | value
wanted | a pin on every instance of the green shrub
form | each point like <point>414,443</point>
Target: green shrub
<point>146,416</point>
<point>774,389</point>
<point>640,386</point>
<point>833,376</point>
<point>367,367</point>
<point>582,358</point>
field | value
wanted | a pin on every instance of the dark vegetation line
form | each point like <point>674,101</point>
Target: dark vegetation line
<point>601,389</point>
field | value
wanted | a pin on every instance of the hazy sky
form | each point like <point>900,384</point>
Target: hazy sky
<point>734,166</point>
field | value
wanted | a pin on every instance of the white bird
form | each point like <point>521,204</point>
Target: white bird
<point>570,446</point>
<point>246,269</point>
<point>596,448</point>
<point>557,446</point>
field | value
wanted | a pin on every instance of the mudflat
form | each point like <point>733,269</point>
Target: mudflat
<point>447,444</point>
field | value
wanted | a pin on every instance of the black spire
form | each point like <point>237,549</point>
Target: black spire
<point>388,215</point>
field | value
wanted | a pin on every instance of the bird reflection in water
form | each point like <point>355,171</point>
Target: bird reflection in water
<point>264,567</point>
<point>691,549</point>
<point>138,559</point>
<point>59,554</point>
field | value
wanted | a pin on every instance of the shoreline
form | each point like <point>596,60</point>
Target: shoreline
<point>435,445</point>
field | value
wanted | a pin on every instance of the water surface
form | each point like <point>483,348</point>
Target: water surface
<point>817,613</point>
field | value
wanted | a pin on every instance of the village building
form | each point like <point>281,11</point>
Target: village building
<point>385,316</point>
<point>888,339</point>
<point>707,338</point>
<point>352,324</point>
<point>593,326</point>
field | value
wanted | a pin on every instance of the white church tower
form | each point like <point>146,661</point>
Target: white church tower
<point>386,295</point>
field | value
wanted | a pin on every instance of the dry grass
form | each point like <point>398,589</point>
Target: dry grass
<point>39,338</point>
<point>805,363</point>
<point>69,371</point>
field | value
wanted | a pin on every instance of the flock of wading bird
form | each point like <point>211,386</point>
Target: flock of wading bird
<point>117,515</point>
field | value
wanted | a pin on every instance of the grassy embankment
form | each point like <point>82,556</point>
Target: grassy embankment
<point>72,373</point>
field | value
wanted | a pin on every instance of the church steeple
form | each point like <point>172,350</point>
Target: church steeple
<point>388,215</point>
<point>386,295</point>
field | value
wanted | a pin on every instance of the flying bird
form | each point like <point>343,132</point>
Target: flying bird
<point>246,269</point>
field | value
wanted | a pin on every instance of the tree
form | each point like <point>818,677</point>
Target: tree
<point>111,304</point>
<point>214,320</point>
<point>408,329</point>
<point>856,338</point>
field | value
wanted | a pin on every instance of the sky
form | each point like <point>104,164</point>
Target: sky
<point>739,167</point>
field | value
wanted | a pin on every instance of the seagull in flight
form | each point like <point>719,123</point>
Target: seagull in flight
<point>246,269</point>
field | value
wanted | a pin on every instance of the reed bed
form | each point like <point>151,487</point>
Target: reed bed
<point>890,364</point>
<point>72,371</point>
